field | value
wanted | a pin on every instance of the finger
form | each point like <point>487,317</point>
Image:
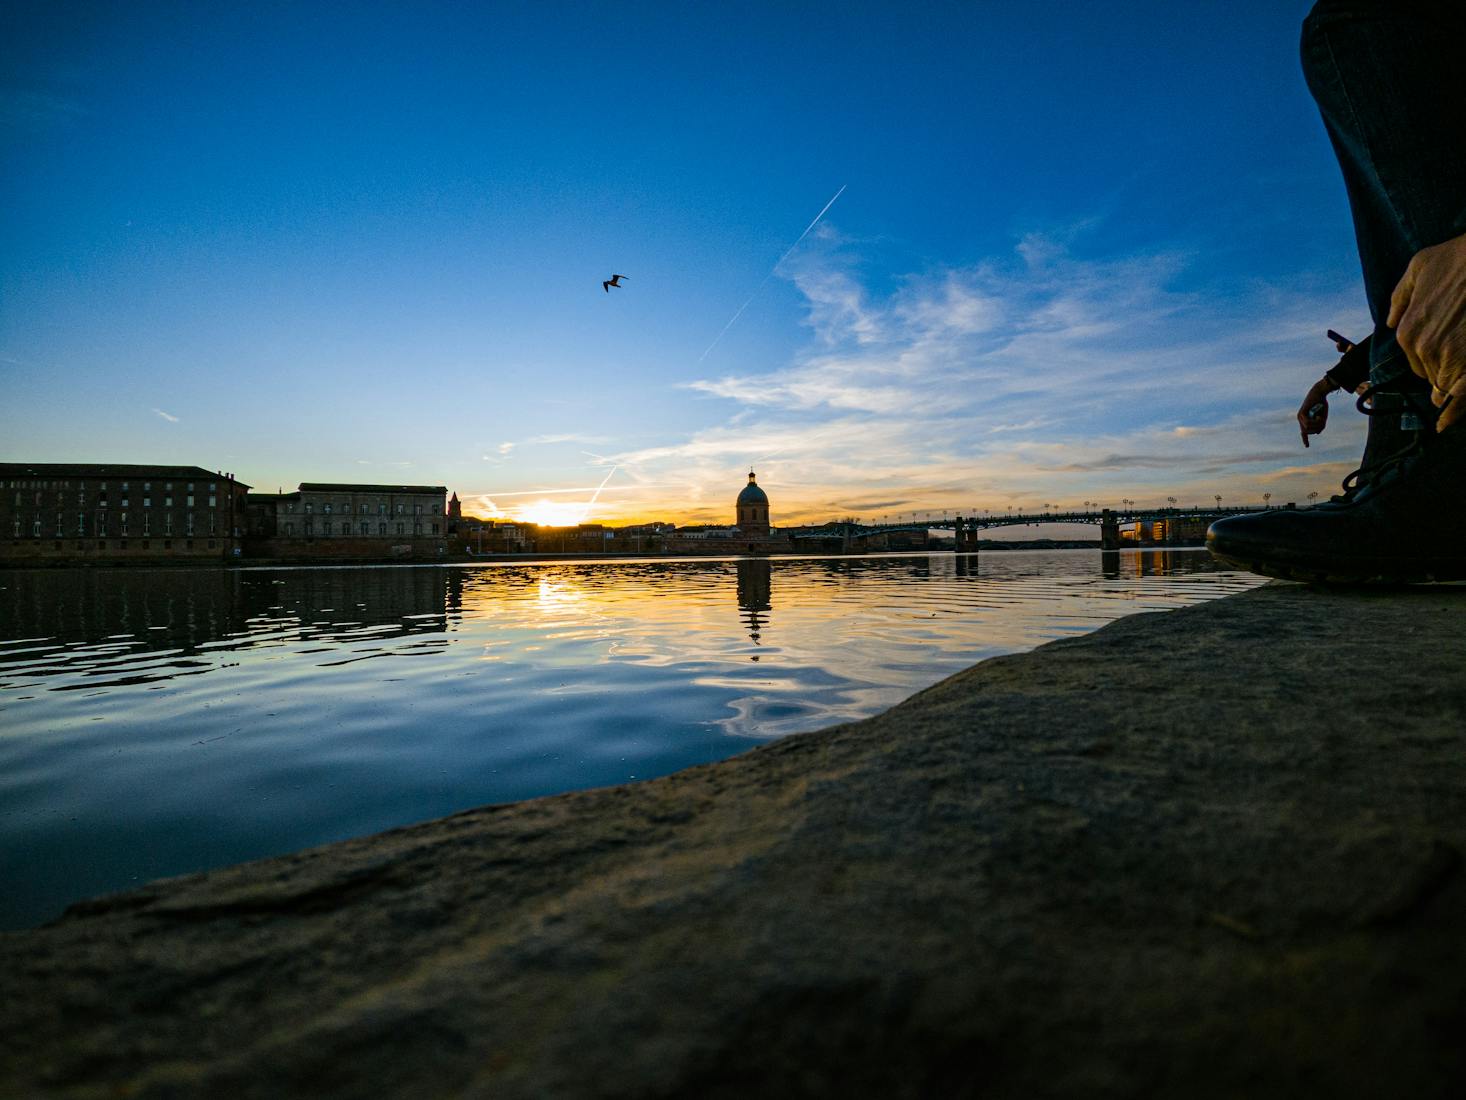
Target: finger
<point>1438,396</point>
<point>1412,354</point>
<point>1400,299</point>
<point>1453,412</point>
<point>1453,407</point>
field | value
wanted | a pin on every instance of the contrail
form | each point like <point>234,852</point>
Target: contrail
<point>546,492</point>
<point>770,275</point>
<point>594,492</point>
<point>592,502</point>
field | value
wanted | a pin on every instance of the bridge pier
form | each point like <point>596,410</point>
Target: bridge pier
<point>1109,530</point>
<point>966,541</point>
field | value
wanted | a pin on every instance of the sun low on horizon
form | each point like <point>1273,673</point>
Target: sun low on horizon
<point>1049,276</point>
<point>551,513</point>
<point>548,512</point>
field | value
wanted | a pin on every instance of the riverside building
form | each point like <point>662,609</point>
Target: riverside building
<point>109,512</point>
<point>751,532</point>
<point>342,520</point>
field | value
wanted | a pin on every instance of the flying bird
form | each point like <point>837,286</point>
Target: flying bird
<point>614,280</point>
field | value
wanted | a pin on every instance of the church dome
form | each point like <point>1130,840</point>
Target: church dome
<point>752,494</point>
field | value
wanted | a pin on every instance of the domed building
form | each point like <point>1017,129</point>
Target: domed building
<point>753,509</point>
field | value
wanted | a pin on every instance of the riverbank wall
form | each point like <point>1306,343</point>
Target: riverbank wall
<point>1212,852</point>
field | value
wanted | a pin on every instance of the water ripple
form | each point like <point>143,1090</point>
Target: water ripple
<point>162,721</point>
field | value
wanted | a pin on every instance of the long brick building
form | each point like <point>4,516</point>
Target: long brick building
<point>75,511</point>
<point>342,520</point>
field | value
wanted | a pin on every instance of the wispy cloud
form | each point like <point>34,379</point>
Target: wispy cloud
<point>1041,375</point>
<point>167,416</point>
<point>1027,426</point>
<point>502,451</point>
<point>541,440</point>
<point>573,490</point>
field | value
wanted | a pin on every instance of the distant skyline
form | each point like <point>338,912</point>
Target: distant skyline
<point>1080,254</point>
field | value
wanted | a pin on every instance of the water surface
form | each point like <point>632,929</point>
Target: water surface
<point>154,722</point>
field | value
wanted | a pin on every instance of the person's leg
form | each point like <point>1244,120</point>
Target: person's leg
<point>1388,80</point>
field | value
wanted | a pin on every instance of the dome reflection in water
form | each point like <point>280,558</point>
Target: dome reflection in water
<point>154,722</point>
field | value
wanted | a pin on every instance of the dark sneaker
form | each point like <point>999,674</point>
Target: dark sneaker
<point>1408,525</point>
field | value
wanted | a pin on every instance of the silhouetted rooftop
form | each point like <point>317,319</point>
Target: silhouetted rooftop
<point>342,487</point>
<point>110,469</point>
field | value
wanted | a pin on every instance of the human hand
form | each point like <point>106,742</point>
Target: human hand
<point>1313,414</point>
<point>1428,314</point>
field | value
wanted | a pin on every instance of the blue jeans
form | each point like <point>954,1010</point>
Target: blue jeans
<point>1389,81</point>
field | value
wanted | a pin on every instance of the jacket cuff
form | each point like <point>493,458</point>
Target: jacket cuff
<point>1352,369</point>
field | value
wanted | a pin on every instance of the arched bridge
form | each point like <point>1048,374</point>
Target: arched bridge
<point>1150,524</point>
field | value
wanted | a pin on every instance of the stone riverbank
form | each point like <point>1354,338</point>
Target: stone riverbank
<point>1209,853</point>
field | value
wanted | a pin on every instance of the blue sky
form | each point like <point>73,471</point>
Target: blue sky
<point>1084,252</point>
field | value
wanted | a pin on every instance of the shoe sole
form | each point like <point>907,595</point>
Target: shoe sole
<point>1371,571</point>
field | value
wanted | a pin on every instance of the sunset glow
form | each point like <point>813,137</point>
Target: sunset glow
<point>1051,276</point>
<point>551,513</point>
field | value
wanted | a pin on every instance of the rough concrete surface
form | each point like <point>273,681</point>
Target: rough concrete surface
<point>1212,852</point>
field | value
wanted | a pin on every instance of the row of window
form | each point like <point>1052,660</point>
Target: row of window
<point>362,509</point>
<point>122,544</point>
<point>309,527</point>
<point>81,499</point>
<point>101,524</point>
<point>80,486</point>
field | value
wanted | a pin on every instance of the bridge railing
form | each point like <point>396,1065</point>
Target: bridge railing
<point>1116,515</point>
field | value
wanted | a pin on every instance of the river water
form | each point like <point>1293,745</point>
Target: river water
<point>154,722</point>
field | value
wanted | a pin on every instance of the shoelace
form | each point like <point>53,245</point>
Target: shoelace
<point>1379,471</point>
<point>1417,400</point>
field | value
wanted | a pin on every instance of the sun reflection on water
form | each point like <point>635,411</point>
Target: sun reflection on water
<point>161,721</point>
